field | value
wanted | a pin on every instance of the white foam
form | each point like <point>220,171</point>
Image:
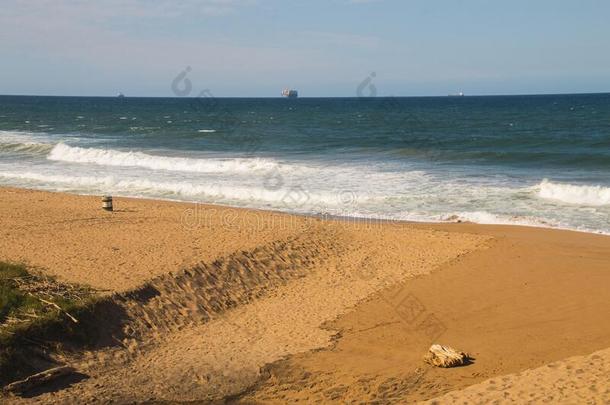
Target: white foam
<point>573,194</point>
<point>111,157</point>
<point>484,217</point>
<point>311,200</point>
<point>290,198</point>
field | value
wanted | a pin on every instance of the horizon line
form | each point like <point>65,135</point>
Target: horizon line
<point>312,97</point>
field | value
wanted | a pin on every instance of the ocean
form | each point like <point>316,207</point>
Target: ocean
<point>530,160</point>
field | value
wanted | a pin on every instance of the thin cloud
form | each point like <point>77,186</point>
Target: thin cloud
<point>104,10</point>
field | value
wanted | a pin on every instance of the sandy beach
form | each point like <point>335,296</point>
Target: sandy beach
<point>266,202</point>
<point>246,306</point>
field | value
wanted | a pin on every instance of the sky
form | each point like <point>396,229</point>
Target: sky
<point>255,48</point>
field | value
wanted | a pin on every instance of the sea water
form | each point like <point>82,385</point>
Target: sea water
<point>530,160</point>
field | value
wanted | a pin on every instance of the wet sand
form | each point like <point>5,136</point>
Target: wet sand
<point>316,309</point>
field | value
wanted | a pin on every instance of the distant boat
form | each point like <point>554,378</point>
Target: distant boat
<point>120,95</point>
<point>460,94</point>
<point>290,93</point>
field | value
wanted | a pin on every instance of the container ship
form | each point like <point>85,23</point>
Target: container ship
<point>290,93</point>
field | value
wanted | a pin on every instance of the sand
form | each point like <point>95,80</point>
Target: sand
<point>79,242</point>
<point>577,380</point>
<point>268,307</point>
<point>533,297</point>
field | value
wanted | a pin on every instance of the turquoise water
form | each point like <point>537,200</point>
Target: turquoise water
<point>533,160</point>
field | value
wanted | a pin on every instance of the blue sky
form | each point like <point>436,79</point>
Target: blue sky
<point>322,48</point>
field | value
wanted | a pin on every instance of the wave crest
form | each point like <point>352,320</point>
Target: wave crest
<point>111,157</point>
<point>573,194</point>
<point>26,147</point>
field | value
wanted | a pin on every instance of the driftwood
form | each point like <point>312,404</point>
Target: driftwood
<point>33,381</point>
<point>46,290</point>
<point>445,356</point>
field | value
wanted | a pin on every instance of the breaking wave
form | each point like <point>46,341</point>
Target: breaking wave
<point>110,157</point>
<point>573,194</point>
<point>26,147</point>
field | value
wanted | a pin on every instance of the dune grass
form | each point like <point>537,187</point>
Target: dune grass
<point>12,300</point>
<point>30,326</point>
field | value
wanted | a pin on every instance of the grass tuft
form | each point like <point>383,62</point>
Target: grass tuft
<point>10,270</point>
<point>12,300</point>
<point>30,327</point>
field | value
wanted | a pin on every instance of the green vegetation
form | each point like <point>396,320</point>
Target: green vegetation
<point>39,316</point>
<point>12,300</point>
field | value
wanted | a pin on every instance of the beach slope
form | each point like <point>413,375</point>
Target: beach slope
<point>267,307</point>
